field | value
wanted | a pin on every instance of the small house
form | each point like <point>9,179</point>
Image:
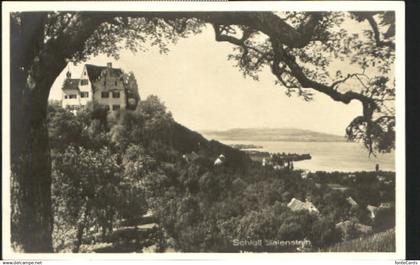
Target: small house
<point>372,211</point>
<point>220,160</point>
<point>385,205</point>
<point>352,202</point>
<point>380,178</point>
<point>304,174</point>
<point>298,205</point>
<point>190,157</point>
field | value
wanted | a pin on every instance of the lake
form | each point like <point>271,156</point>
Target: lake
<point>327,156</point>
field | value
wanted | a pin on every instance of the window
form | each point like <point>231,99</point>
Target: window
<point>115,94</point>
<point>105,94</point>
<point>84,94</point>
<point>106,107</point>
<point>65,96</point>
<point>115,82</point>
<point>83,82</point>
<point>115,107</point>
<point>73,96</point>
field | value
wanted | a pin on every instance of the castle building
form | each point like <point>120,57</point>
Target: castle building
<point>102,85</point>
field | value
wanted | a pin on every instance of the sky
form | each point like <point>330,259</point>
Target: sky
<point>204,91</point>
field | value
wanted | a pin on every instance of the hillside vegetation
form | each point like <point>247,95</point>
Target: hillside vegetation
<point>110,169</point>
<point>379,242</point>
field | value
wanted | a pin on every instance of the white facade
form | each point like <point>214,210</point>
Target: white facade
<point>102,85</point>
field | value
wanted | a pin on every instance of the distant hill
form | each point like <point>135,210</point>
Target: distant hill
<point>273,134</point>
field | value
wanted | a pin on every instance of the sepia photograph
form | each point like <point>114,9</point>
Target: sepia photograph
<point>215,128</point>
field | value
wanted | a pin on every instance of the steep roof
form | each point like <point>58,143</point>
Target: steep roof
<point>298,205</point>
<point>351,201</point>
<point>371,208</point>
<point>71,84</point>
<point>95,71</point>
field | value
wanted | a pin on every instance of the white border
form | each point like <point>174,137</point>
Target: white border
<point>214,6</point>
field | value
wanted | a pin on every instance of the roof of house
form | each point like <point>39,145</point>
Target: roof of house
<point>338,187</point>
<point>351,201</point>
<point>71,84</point>
<point>298,205</point>
<point>148,213</point>
<point>371,208</point>
<point>385,205</point>
<point>191,156</point>
<point>95,71</point>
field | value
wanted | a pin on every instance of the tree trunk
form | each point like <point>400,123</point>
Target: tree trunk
<point>32,75</point>
<point>103,232</point>
<point>79,237</point>
<point>80,228</point>
<point>31,171</point>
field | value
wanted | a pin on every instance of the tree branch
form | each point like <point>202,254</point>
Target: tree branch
<point>376,34</point>
<point>265,22</point>
<point>280,55</point>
